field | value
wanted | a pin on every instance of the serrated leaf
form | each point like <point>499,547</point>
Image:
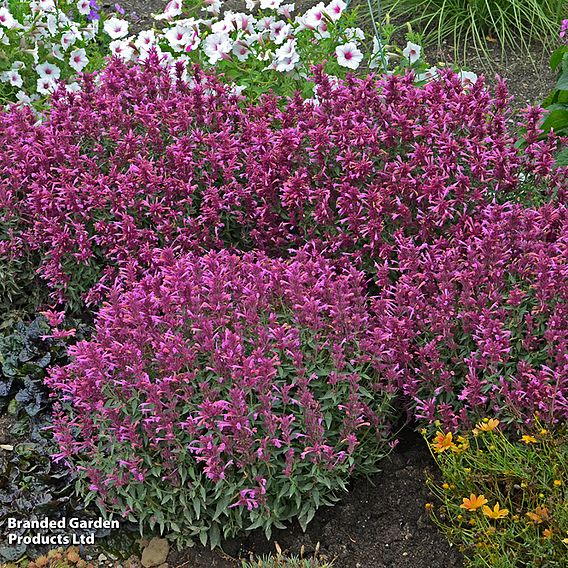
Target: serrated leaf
<point>197,507</point>
<point>221,507</point>
<point>214,536</point>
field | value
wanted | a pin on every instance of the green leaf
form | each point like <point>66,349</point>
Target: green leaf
<point>214,536</point>
<point>557,57</point>
<point>557,120</point>
<point>562,158</point>
<point>197,507</point>
<point>562,83</point>
<point>256,524</point>
<point>221,507</point>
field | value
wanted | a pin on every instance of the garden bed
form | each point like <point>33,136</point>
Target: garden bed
<point>271,284</point>
<point>381,523</point>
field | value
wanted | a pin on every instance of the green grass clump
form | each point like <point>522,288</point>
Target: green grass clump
<point>511,23</point>
<point>504,499</point>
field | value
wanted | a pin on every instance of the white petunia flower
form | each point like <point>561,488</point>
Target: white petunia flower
<point>52,24</point>
<point>322,31</point>
<point>335,8</point>
<point>68,39</point>
<point>34,52</point>
<point>222,27</point>
<point>193,42</point>
<point>216,46</point>
<point>45,85</point>
<point>115,27</point>
<point>7,20</point>
<point>84,7</point>
<point>264,23</point>
<point>167,59</point>
<point>46,5</point>
<point>251,5</point>
<point>145,40</point>
<point>428,75</point>
<point>286,56</point>
<point>47,70</point>
<point>145,54</point>
<point>57,52</point>
<point>348,55</point>
<point>91,31</point>
<point>354,34</point>
<point>412,52</point>
<point>73,87</point>
<point>173,9</point>
<point>78,59</point>
<point>23,98</point>
<point>286,10</point>
<point>12,77</point>
<point>241,50</point>
<point>279,31</point>
<point>270,4</point>
<point>4,38</point>
<point>121,48</point>
<point>179,36</point>
<point>468,78</point>
<point>237,89</point>
<point>212,6</point>
<point>314,16</point>
<point>243,22</point>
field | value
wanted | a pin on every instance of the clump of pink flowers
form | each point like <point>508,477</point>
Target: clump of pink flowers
<point>477,324</point>
<point>230,379</point>
<point>139,160</point>
<point>273,274</point>
<point>564,31</point>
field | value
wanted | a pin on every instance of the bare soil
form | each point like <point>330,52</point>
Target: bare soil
<point>380,523</point>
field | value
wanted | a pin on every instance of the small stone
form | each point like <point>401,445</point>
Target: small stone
<point>133,562</point>
<point>164,565</point>
<point>102,558</point>
<point>156,553</point>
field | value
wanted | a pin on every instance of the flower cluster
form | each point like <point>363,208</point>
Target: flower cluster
<point>244,382</point>
<point>268,49</point>
<point>46,41</point>
<point>478,322</point>
<point>139,160</point>
<point>502,499</point>
<point>564,31</point>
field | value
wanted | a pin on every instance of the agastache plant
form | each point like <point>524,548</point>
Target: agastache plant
<point>225,393</point>
<point>139,160</point>
<point>477,325</point>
